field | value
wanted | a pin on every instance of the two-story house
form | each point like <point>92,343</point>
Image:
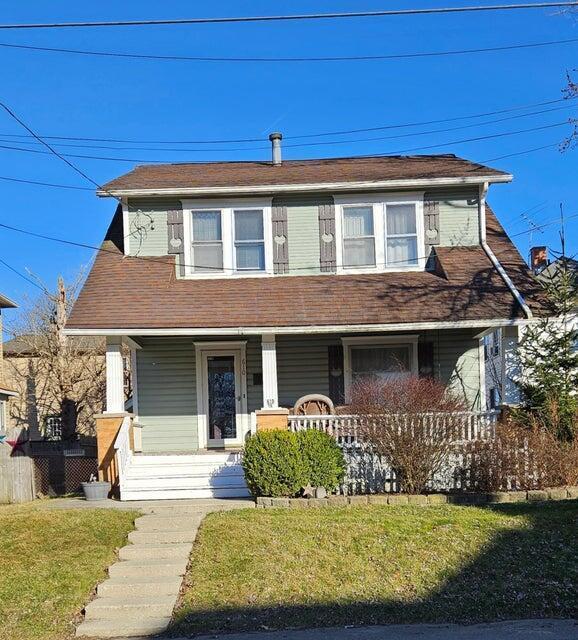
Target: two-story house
<point>6,390</point>
<point>242,286</point>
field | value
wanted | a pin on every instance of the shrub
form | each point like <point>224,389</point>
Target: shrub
<point>322,458</point>
<point>396,422</point>
<point>523,455</point>
<point>273,464</point>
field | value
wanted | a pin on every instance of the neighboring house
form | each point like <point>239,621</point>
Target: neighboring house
<point>44,408</point>
<point>242,286</point>
<point>7,393</point>
<point>499,345</point>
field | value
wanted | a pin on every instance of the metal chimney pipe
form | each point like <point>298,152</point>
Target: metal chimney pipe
<point>276,138</point>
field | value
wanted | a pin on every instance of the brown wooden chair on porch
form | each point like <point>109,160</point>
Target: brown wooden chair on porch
<point>314,404</point>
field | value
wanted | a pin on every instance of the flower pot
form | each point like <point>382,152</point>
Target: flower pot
<point>96,490</point>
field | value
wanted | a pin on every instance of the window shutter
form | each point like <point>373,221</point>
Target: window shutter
<point>280,239</point>
<point>336,383</point>
<point>327,237</point>
<point>176,244</point>
<point>425,359</point>
<point>431,225</point>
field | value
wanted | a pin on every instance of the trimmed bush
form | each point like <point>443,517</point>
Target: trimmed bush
<point>323,459</point>
<point>273,464</point>
<point>280,463</point>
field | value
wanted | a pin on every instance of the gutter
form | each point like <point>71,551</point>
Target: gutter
<point>251,190</point>
<point>492,256</point>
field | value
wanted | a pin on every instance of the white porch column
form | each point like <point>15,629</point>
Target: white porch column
<point>269,356</point>
<point>114,375</point>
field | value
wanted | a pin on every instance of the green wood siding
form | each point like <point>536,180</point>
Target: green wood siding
<point>303,231</point>
<point>167,390</point>
<point>458,209</point>
<point>148,225</point>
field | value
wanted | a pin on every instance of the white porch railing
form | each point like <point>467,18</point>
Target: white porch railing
<point>123,451</point>
<point>469,425</point>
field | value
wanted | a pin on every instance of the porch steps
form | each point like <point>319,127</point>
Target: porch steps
<point>138,598</point>
<point>202,475</point>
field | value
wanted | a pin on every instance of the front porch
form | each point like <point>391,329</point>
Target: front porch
<point>197,398</point>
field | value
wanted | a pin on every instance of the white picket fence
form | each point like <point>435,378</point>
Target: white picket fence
<point>367,473</point>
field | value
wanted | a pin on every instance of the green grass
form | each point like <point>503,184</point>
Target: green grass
<point>50,561</point>
<point>256,569</point>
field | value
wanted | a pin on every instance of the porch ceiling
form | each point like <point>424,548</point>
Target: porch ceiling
<point>126,292</point>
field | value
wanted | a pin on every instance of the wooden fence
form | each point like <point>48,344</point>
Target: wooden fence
<point>16,468</point>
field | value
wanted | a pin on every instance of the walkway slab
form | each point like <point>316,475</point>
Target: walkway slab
<point>138,598</point>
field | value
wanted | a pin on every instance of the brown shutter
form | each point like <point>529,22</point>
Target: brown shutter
<point>175,237</point>
<point>431,225</point>
<point>425,359</point>
<point>280,239</point>
<point>327,237</point>
<point>336,384</point>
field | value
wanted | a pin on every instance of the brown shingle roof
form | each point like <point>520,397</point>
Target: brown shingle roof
<point>294,172</point>
<point>128,292</point>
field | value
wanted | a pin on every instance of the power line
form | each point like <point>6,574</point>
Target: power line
<point>44,184</point>
<point>53,151</point>
<point>295,17</point>
<point>68,186</point>
<point>310,135</point>
<point>396,152</point>
<point>170,260</point>
<point>21,275</point>
<point>307,144</point>
<point>287,59</point>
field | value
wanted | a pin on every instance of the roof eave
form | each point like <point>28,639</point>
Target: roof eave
<point>6,303</point>
<point>298,188</point>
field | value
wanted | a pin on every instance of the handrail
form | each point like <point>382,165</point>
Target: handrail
<point>123,452</point>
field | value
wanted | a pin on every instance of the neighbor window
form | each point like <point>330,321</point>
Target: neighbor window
<point>401,246</point>
<point>358,237</point>
<point>207,242</point>
<point>494,398</point>
<point>381,361</point>
<point>249,240</point>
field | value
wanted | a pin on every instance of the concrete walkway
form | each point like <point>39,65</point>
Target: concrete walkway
<point>514,630</point>
<point>138,598</point>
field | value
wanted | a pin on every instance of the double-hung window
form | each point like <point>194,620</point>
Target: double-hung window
<point>249,240</point>
<point>401,246</point>
<point>207,242</point>
<point>358,236</point>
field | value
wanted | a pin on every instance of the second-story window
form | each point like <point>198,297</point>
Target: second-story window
<point>401,235</point>
<point>207,242</point>
<point>358,237</point>
<point>249,240</point>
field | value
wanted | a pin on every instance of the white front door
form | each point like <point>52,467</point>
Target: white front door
<point>223,402</point>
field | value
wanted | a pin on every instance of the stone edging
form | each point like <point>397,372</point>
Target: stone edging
<point>538,495</point>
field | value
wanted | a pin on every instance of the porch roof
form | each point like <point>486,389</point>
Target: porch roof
<point>130,292</point>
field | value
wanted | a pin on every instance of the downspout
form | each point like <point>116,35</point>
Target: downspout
<point>492,256</point>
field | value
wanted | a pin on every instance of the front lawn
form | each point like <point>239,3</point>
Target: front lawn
<point>277,568</point>
<point>50,561</point>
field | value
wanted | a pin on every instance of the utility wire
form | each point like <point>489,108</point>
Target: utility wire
<point>68,186</point>
<point>44,184</point>
<point>388,153</point>
<point>294,17</point>
<point>310,135</point>
<point>21,275</point>
<point>53,151</point>
<point>303,144</point>
<point>170,260</point>
<point>288,59</point>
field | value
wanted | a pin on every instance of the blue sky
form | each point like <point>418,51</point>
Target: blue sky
<point>71,95</point>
